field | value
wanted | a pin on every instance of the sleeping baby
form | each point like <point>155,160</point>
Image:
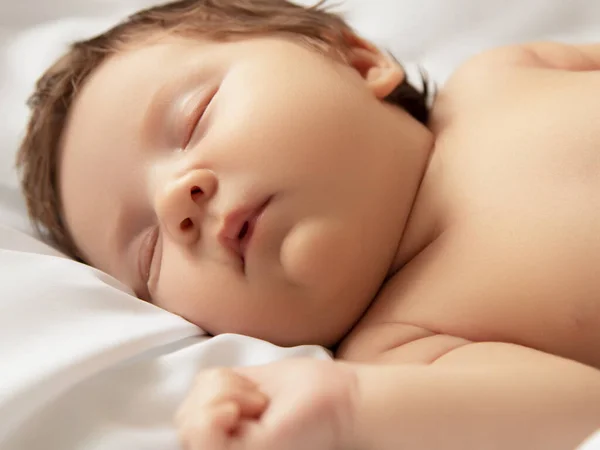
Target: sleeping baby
<point>256,167</point>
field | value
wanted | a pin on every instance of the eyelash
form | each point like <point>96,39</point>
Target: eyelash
<point>195,118</point>
<point>147,253</point>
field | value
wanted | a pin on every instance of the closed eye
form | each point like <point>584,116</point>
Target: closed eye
<point>146,253</point>
<point>195,115</point>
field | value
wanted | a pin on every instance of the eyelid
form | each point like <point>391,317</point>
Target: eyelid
<point>193,110</point>
<point>147,254</point>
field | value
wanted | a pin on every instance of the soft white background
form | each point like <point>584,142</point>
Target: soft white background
<point>83,364</point>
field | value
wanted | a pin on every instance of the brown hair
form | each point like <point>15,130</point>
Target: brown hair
<point>57,89</point>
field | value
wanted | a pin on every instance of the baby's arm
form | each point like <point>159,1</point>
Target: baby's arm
<point>484,395</point>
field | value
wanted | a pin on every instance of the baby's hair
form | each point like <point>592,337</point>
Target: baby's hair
<point>218,20</point>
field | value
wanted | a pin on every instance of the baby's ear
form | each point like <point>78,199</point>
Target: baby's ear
<point>381,72</point>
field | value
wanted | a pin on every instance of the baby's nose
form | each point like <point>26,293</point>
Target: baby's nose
<point>181,204</point>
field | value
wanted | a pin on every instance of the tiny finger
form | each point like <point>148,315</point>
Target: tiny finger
<point>227,416</point>
<point>211,429</point>
<point>252,404</point>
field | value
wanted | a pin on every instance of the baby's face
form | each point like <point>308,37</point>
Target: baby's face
<point>253,187</point>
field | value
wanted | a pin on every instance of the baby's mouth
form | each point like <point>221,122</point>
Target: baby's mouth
<point>238,229</point>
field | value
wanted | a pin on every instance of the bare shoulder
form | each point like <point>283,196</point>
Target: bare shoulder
<point>483,72</point>
<point>500,76</point>
<point>484,79</point>
<point>543,55</point>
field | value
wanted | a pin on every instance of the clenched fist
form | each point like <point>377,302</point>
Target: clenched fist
<point>291,405</point>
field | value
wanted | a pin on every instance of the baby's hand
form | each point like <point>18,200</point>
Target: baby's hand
<point>215,410</point>
<point>290,405</point>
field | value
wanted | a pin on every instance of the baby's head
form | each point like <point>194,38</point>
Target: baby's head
<point>240,163</point>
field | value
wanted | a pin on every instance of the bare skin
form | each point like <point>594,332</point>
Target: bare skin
<point>496,233</point>
<point>515,260</point>
<point>517,254</point>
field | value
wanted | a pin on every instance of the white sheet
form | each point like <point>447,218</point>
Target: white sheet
<point>593,443</point>
<point>84,364</point>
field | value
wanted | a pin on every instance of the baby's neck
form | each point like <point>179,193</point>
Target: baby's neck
<point>426,221</point>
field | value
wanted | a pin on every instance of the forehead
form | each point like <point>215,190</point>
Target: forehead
<point>119,90</point>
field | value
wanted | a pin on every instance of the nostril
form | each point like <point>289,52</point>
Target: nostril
<point>196,192</point>
<point>186,224</point>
